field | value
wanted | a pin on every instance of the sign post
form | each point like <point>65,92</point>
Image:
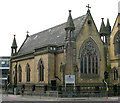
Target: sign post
<point>70,79</point>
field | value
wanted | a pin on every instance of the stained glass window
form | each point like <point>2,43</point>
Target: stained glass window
<point>89,57</point>
<point>117,43</point>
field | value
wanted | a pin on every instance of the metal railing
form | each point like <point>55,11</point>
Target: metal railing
<point>69,91</point>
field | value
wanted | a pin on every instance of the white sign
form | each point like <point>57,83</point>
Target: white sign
<point>69,79</point>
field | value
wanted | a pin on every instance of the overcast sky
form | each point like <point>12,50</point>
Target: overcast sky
<point>18,16</point>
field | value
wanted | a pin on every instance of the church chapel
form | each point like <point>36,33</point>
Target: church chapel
<point>73,53</point>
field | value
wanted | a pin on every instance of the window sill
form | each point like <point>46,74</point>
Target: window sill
<point>89,76</point>
<point>41,82</point>
<point>28,82</point>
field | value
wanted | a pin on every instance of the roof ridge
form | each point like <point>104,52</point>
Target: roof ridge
<point>56,26</point>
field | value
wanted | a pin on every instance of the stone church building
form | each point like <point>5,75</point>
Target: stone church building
<point>73,53</point>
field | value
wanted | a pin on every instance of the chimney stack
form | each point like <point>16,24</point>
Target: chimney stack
<point>119,15</point>
<point>119,7</point>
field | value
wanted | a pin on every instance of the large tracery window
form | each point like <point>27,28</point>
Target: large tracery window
<point>28,72</point>
<point>117,43</point>
<point>89,57</point>
<point>41,70</point>
<point>20,73</point>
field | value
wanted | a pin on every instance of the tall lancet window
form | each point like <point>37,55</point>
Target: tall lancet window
<point>89,57</point>
<point>20,73</point>
<point>28,72</point>
<point>41,70</point>
<point>117,43</point>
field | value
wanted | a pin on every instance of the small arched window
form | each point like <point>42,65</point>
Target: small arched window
<point>41,70</point>
<point>20,73</point>
<point>89,22</point>
<point>28,72</point>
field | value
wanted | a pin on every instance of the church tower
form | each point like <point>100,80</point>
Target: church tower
<point>69,45</point>
<point>14,47</point>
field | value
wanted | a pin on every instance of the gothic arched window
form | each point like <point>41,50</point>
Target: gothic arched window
<point>28,72</point>
<point>89,57</point>
<point>115,74</point>
<point>20,73</point>
<point>41,70</point>
<point>117,43</point>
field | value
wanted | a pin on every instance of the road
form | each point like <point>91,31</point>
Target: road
<point>37,99</point>
<point>62,102</point>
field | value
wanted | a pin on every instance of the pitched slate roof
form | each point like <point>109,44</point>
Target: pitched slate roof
<point>55,36</point>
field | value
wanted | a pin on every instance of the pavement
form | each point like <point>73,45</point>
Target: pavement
<point>40,98</point>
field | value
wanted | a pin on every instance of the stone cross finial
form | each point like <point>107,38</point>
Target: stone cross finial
<point>88,6</point>
<point>69,10</point>
<point>102,19</point>
<point>27,32</point>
